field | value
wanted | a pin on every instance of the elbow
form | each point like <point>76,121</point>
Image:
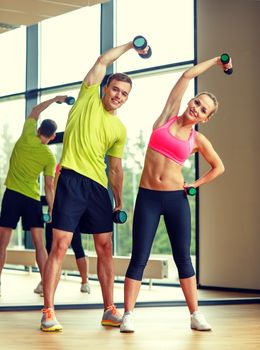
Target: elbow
<point>116,173</point>
<point>102,61</point>
<point>221,169</point>
<point>187,75</point>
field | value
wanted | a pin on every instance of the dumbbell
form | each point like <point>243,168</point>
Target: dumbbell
<point>140,43</point>
<point>191,191</point>
<point>46,218</point>
<point>69,100</point>
<point>119,217</point>
<point>225,59</point>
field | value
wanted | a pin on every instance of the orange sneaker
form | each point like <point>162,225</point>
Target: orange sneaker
<point>111,317</point>
<point>49,322</point>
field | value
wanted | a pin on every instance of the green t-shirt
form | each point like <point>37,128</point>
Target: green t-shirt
<point>91,133</point>
<point>29,158</point>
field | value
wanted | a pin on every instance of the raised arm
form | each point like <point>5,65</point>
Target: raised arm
<point>173,103</point>
<point>36,111</point>
<point>98,71</point>
<point>115,176</point>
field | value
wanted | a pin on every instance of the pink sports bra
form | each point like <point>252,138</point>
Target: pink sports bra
<point>170,146</point>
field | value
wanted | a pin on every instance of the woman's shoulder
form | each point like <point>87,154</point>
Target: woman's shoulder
<point>201,139</point>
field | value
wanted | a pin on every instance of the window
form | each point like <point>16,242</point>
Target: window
<point>12,112</point>
<point>69,46</point>
<point>169,30</point>
<point>58,112</point>
<point>13,61</point>
<point>168,27</point>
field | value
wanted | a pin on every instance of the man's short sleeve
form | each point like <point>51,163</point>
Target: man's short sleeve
<point>29,127</point>
<point>49,169</point>
<point>117,150</point>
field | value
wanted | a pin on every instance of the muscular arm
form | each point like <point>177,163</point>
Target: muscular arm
<point>172,105</point>
<point>98,71</point>
<point>36,111</point>
<point>115,176</point>
<point>49,191</point>
<point>205,148</point>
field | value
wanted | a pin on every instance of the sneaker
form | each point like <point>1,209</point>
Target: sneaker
<point>111,317</point>
<point>39,289</point>
<point>49,322</point>
<point>85,288</point>
<point>127,325</point>
<point>199,323</point>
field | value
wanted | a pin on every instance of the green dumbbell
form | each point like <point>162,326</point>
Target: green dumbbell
<point>191,191</point>
<point>119,217</point>
<point>140,43</point>
<point>225,59</point>
<point>46,218</point>
<point>69,100</point>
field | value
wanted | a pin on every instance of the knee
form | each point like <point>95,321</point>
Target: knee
<point>104,248</point>
<point>5,235</point>
<point>135,270</point>
<point>185,268</point>
<point>59,248</point>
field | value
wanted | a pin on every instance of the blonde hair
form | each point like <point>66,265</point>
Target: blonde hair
<point>213,98</point>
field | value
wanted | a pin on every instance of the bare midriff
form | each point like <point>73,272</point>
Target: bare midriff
<point>161,173</point>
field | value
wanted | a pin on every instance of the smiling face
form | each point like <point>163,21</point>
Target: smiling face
<point>115,94</point>
<point>200,108</point>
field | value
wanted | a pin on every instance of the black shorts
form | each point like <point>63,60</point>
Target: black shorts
<point>80,201</point>
<point>16,205</point>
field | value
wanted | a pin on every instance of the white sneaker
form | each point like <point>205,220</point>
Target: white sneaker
<point>85,288</point>
<point>39,289</point>
<point>127,325</point>
<point>199,323</point>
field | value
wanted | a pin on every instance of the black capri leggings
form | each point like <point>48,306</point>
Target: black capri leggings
<point>149,206</point>
<point>76,242</point>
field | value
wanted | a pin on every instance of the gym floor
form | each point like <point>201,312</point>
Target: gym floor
<point>235,326</point>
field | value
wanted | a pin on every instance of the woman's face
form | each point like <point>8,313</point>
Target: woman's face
<point>200,108</point>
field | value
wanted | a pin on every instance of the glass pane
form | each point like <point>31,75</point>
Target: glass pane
<point>58,112</point>
<point>168,27</point>
<point>13,57</point>
<point>12,120</point>
<point>69,46</point>
<point>149,93</point>
<point>138,122</point>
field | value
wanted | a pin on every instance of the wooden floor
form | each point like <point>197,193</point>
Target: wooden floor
<point>234,327</point>
<point>157,328</point>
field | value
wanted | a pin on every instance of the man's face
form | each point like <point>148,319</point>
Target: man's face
<point>115,95</point>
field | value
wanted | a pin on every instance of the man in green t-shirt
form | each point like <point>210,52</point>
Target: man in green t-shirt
<point>93,130</point>
<point>30,157</point>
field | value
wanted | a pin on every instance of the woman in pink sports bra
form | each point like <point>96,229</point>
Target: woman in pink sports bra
<point>162,191</point>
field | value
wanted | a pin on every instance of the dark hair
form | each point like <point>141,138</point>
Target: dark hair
<point>119,77</point>
<point>48,128</point>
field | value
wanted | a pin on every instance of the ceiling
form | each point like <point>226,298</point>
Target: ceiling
<point>14,13</point>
